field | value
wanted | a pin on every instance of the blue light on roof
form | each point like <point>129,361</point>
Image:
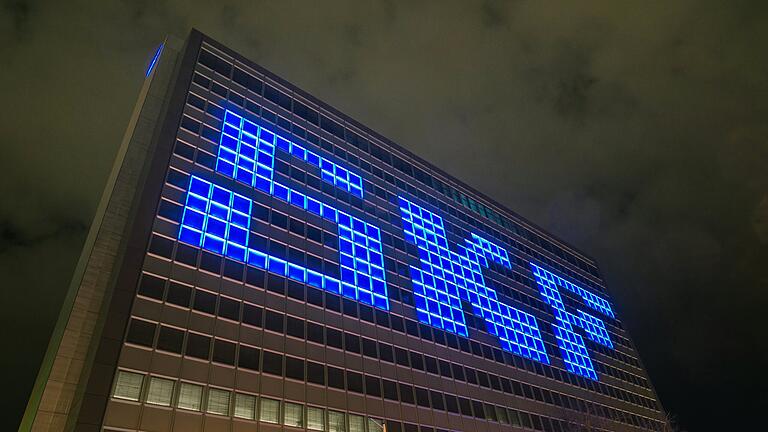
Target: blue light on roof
<point>445,278</point>
<point>155,58</point>
<point>575,355</point>
<point>246,154</point>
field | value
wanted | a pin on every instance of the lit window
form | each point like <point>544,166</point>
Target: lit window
<point>128,385</point>
<point>336,421</point>
<point>293,414</point>
<point>356,423</point>
<point>218,401</point>
<point>160,391</point>
<point>315,419</point>
<point>190,396</point>
<point>269,411</point>
<point>375,425</point>
<point>245,406</point>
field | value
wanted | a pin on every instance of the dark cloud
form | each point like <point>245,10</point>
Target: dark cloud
<point>634,131</point>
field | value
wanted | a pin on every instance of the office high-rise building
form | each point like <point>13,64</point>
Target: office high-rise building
<point>260,261</point>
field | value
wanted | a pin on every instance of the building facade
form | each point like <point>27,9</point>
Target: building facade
<point>261,261</point>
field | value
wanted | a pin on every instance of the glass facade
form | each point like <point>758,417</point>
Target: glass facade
<point>302,272</point>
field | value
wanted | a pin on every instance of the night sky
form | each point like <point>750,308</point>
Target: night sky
<point>636,132</point>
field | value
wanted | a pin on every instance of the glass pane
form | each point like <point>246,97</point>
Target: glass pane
<point>336,422</point>
<point>356,423</point>
<point>160,391</point>
<point>269,411</point>
<point>218,401</point>
<point>128,385</point>
<point>245,406</point>
<point>315,419</point>
<point>294,414</point>
<point>375,425</point>
<point>190,396</point>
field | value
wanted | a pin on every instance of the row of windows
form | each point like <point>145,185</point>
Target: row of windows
<point>232,269</point>
<point>278,249</point>
<point>346,135</point>
<point>228,308</point>
<point>211,400</point>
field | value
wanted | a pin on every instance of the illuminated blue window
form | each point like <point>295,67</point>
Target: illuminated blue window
<point>445,277</point>
<point>575,355</point>
<point>246,154</point>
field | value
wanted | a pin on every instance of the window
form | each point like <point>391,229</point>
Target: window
<point>179,294</point>
<point>335,377</point>
<point>356,423</point>
<point>128,385</point>
<point>190,396</point>
<point>198,345</point>
<point>152,286</point>
<point>248,358</point>
<point>293,415</point>
<point>269,411</point>
<point>224,352</point>
<point>336,422</point>
<point>170,339</point>
<point>218,401</point>
<point>245,406</point>
<point>315,373</point>
<point>375,425</point>
<point>229,308</point>
<point>160,391</point>
<point>294,368</point>
<point>205,302</point>
<point>273,363</point>
<point>141,332</point>
<point>315,419</point>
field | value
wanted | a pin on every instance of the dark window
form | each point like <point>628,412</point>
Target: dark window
<point>295,327</point>
<point>406,393</point>
<point>315,333</point>
<point>273,363</point>
<point>397,323</point>
<point>333,338</point>
<point>465,406</point>
<point>333,302</point>
<point>385,352</point>
<point>335,377</point>
<point>179,294</point>
<point>170,339</point>
<point>352,343</point>
<point>252,315</point>
<point>417,361</point>
<point>482,378</point>
<point>229,308</point>
<point>412,327</point>
<point>477,406</point>
<point>210,262</point>
<point>274,322</point>
<point>315,373</point>
<point>170,210</point>
<point>445,369</point>
<point>187,254</point>
<point>205,302</point>
<point>372,386</point>
<point>366,313</point>
<point>402,356</point>
<point>295,290</point>
<point>437,400</point>
<point>249,357</point>
<point>224,352</point>
<point>369,348</point>
<point>471,376</point>
<point>198,345</point>
<point>390,389</point>
<point>458,372</point>
<point>161,246</point>
<point>152,286</point>
<point>141,332</point>
<point>294,368</point>
<point>422,397</point>
<point>233,269</point>
<point>430,364</point>
<point>276,284</point>
<point>314,296</point>
<point>451,404</point>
